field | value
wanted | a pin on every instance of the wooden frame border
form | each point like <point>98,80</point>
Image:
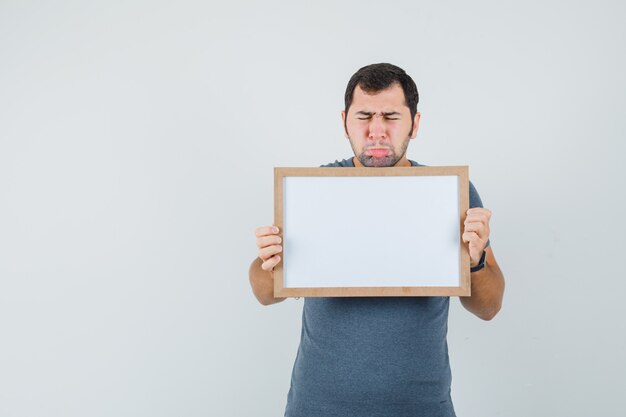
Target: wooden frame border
<point>461,171</point>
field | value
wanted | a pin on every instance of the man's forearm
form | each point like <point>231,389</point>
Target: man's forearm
<point>262,283</point>
<point>487,290</point>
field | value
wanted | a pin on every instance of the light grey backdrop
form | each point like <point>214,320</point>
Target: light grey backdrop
<point>137,141</point>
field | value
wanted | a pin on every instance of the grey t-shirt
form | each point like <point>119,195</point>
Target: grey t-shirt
<point>373,356</point>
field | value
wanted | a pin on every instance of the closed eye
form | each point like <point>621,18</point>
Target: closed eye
<point>362,115</point>
<point>393,115</point>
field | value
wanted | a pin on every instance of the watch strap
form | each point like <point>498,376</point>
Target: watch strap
<point>481,263</point>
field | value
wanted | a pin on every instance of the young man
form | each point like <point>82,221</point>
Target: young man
<point>379,356</point>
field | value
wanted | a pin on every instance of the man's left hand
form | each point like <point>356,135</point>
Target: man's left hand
<point>476,232</point>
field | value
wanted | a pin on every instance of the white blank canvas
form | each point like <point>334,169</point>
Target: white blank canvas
<point>390,231</point>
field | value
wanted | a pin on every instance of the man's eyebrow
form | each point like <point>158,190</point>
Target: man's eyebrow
<point>384,113</point>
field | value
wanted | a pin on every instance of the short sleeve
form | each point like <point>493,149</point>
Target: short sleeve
<point>474,197</point>
<point>344,163</point>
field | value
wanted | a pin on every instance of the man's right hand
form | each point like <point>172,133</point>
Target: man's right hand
<point>261,272</point>
<point>269,243</point>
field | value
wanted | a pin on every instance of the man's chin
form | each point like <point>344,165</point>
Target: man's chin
<point>373,162</point>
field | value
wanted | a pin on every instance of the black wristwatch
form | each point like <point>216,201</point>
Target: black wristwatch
<point>481,263</point>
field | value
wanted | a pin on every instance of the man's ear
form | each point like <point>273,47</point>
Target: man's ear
<point>416,123</point>
<point>343,121</point>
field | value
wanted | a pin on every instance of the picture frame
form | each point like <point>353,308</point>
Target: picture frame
<point>355,232</point>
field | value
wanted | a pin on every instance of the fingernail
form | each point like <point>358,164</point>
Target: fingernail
<point>275,229</point>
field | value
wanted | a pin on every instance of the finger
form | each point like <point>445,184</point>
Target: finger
<point>270,263</point>
<point>479,228</point>
<point>470,237</point>
<point>265,241</point>
<point>266,230</point>
<point>269,251</point>
<point>475,244</point>
<point>477,217</point>
<point>479,210</point>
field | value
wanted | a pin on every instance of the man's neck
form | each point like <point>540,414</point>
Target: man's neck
<point>403,162</point>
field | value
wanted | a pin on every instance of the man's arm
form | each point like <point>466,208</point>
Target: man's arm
<point>487,289</point>
<point>262,268</point>
<point>487,283</point>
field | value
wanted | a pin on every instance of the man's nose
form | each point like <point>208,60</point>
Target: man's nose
<point>377,128</point>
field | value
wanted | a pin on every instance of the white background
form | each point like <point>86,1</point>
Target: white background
<point>137,141</point>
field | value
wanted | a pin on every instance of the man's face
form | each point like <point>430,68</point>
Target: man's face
<point>379,127</point>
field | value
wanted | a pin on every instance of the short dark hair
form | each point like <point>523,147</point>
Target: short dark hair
<point>377,77</point>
